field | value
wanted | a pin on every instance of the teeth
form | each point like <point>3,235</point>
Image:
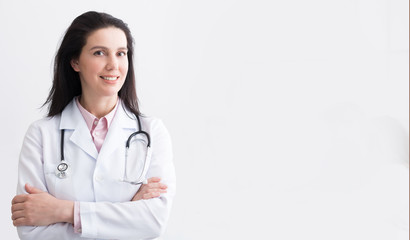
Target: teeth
<point>110,78</point>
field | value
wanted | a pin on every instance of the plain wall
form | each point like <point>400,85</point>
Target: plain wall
<point>289,119</point>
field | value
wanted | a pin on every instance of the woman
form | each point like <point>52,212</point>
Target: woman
<point>77,179</point>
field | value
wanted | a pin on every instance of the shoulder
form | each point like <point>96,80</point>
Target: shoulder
<point>155,127</point>
<point>69,114</point>
<point>46,122</point>
<point>151,123</point>
<point>149,120</point>
<point>44,125</point>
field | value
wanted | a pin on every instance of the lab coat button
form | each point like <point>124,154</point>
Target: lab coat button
<point>98,178</point>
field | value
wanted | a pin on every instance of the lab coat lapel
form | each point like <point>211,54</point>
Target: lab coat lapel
<point>71,119</point>
<point>119,131</point>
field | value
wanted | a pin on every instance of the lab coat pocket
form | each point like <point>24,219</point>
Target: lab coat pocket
<point>59,187</point>
<point>50,178</point>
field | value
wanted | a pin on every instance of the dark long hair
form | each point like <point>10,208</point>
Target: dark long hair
<point>66,81</point>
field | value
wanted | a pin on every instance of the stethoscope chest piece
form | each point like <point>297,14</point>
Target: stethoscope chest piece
<point>62,170</point>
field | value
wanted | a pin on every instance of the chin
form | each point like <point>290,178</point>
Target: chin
<point>109,93</point>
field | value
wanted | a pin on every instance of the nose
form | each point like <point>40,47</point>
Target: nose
<point>112,63</point>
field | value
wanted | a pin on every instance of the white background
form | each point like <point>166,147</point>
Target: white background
<point>289,119</point>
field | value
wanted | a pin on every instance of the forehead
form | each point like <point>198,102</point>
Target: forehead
<point>110,37</point>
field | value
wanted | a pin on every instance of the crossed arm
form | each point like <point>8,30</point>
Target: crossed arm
<point>39,208</point>
<point>39,215</point>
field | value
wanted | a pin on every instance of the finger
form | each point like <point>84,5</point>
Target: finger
<point>30,189</point>
<point>153,185</point>
<point>157,185</point>
<point>162,186</point>
<point>20,222</point>
<point>19,199</point>
<point>155,190</point>
<point>17,215</point>
<point>161,191</point>
<point>154,179</point>
<point>151,195</point>
<point>17,207</point>
<point>151,190</point>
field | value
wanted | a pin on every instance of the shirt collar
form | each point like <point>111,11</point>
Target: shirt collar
<point>89,117</point>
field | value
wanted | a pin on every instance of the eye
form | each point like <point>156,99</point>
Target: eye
<point>98,53</point>
<point>121,54</point>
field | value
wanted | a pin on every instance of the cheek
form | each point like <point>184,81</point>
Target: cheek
<point>91,68</point>
<point>124,68</point>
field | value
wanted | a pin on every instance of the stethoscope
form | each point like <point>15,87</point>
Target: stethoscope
<point>63,169</point>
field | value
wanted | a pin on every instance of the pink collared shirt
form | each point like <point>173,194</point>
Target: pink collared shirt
<point>98,130</point>
<point>98,127</point>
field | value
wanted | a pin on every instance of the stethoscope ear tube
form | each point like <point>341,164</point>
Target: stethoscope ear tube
<point>63,169</point>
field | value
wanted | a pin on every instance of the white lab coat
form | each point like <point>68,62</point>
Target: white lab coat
<point>105,207</point>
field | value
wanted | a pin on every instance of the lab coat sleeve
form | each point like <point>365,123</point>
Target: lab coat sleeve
<point>30,170</point>
<point>143,219</point>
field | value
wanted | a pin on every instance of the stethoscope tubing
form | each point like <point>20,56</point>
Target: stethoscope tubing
<point>63,166</point>
<point>62,144</point>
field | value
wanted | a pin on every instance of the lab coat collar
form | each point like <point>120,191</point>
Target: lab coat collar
<point>119,130</point>
<point>71,119</point>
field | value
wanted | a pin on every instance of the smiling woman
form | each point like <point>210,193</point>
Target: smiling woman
<point>102,65</point>
<point>115,178</point>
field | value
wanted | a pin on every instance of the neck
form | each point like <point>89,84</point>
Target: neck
<point>98,107</point>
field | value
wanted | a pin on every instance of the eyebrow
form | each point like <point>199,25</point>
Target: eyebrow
<point>105,48</point>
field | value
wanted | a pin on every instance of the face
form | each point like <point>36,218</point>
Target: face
<point>103,63</point>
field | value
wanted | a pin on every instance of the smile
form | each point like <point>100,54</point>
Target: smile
<point>109,78</point>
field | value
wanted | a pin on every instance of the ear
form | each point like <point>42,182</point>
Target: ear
<point>74,65</point>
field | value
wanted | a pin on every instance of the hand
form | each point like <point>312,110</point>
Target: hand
<point>39,208</point>
<point>150,190</point>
